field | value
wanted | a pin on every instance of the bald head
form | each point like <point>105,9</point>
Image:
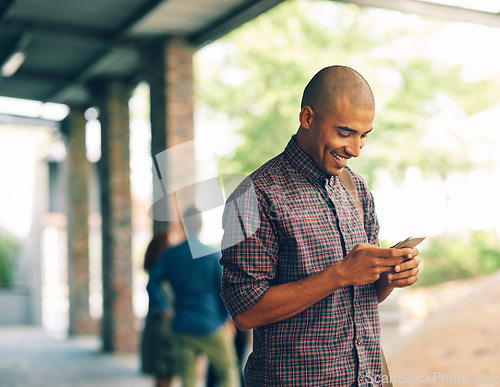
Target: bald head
<point>334,82</point>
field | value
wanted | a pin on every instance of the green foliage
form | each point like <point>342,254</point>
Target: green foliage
<point>447,259</point>
<point>276,54</point>
<point>472,97</point>
<point>9,249</point>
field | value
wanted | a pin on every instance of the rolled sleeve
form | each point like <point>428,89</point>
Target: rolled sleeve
<point>249,252</point>
<point>248,270</point>
<point>240,297</point>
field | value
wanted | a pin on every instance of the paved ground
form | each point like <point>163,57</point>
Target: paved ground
<point>29,358</point>
<point>459,344</point>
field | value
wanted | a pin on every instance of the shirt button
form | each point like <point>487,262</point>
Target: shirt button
<point>356,304</point>
<point>360,378</point>
<point>358,341</point>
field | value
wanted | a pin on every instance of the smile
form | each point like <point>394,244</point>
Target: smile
<point>341,161</point>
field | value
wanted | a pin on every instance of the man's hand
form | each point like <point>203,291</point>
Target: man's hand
<point>365,263</point>
<point>404,274</point>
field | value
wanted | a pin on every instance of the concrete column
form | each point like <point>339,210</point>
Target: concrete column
<point>119,332</point>
<point>80,322</point>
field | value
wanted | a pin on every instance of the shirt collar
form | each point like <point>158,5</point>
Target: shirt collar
<point>305,164</point>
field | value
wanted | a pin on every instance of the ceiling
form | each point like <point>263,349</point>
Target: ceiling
<point>67,44</point>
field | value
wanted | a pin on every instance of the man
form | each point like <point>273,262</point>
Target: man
<point>199,316</point>
<point>302,266</point>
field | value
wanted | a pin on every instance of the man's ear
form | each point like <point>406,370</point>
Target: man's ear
<point>306,117</point>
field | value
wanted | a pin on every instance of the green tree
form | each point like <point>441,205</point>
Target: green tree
<point>460,256</point>
<point>9,249</point>
<point>275,55</point>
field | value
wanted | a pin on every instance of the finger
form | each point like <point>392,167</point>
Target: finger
<point>404,282</point>
<point>407,265</point>
<point>404,274</point>
<point>390,262</point>
<point>387,253</point>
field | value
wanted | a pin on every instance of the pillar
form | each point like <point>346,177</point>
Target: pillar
<point>154,67</point>
<point>171,82</point>
<point>119,332</point>
<point>80,321</point>
<point>180,92</point>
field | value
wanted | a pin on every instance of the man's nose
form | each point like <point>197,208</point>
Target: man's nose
<point>354,148</point>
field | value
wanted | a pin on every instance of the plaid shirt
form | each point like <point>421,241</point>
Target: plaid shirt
<point>287,221</point>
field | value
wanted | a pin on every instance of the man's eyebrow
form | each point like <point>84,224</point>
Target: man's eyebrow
<point>346,128</point>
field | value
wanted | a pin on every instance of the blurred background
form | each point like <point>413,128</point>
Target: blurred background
<point>96,92</point>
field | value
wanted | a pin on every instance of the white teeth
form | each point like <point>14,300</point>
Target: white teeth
<point>342,161</point>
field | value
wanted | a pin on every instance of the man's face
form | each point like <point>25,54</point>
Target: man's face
<point>337,136</point>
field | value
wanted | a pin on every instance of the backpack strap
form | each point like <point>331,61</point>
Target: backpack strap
<point>350,186</point>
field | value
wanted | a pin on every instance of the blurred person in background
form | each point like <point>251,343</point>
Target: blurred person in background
<point>159,353</point>
<point>242,342</point>
<point>200,320</point>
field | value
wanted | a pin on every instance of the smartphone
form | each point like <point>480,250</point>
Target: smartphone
<point>408,242</point>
